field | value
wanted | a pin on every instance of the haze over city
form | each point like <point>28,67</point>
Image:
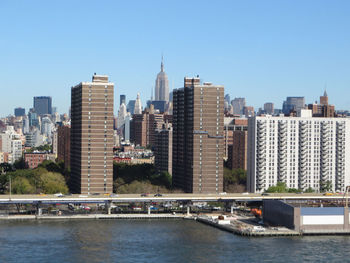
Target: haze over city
<point>263,51</point>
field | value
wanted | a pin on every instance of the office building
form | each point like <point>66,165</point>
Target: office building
<point>91,148</point>
<point>294,104</point>
<point>42,105</point>
<point>122,99</point>
<point>304,152</point>
<point>198,118</point>
<point>238,104</point>
<point>323,109</point>
<point>162,85</point>
<point>20,112</point>
<point>138,105</point>
<point>269,108</point>
<point>131,106</point>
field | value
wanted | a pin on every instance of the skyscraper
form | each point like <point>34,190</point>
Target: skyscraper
<point>20,112</point>
<point>122,99</point>
<point>198,145</point>
<point>92,136</point>
<point>268,108</point>
<point>238,104</point>
<point>162,85</point>
<point>138,105</point>
<point>42,105</point>
<point>293,104</point>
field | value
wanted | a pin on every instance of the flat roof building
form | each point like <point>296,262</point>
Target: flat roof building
<point>198,146</point>
<point>92,136</point>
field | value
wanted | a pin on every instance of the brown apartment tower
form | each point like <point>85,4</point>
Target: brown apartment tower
<point>92,136</point>
<point>198,145</point>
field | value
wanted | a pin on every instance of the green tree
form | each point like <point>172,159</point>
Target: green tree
<point>326,186</point>
<point>309,190</point>
<point>280,187</point>
<point>52,183</point>
<point>21,185</point>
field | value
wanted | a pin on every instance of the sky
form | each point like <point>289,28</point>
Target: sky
<point>261,50</point>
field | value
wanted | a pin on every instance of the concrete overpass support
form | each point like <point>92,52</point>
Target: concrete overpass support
<point>149,209</point>
<point>188,210</point>
<point>108,207</point>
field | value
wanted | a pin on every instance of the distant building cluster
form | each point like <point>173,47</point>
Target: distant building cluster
<point>189,133</point>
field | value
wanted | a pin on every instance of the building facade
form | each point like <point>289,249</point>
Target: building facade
<point>63,145</point>
<point>42,105</point>
<point>162,85</point>
<point>20,112</point>
<point>304,152</point>
<point>92,136</point>
<point>198,147</point>
<point>163,150</point>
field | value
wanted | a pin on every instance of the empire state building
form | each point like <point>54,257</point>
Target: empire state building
<point>162,85</point>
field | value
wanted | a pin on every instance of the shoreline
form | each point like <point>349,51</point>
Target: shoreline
<point>91,216</point>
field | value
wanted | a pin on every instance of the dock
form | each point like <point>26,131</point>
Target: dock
<point>241,228</point>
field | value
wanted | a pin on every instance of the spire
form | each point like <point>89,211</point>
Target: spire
<point>325,93</point>
<point>162,65</point>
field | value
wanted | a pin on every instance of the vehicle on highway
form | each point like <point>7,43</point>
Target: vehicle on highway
<point>265,194</point>
<point>95,194</point>
<point>113,195</point>
<point>223,193</point>
<point>245,193</point>
<point>144,194</point>
<point>158,195</point>
<point>328,194</point>
<point>59,195</point>
<point>259,229</point>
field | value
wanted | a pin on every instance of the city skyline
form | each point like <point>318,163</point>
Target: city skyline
<point>241,47</point>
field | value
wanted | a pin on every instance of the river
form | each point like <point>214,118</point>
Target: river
<point>156,241</point>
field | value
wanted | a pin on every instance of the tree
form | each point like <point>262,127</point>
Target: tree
<point>309,190</point>
<point>326,186</point>
<point>21,185</point>
<point>280,187</point>
<point>52,183</point>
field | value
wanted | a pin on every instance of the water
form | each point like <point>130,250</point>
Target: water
<point>156,241</point>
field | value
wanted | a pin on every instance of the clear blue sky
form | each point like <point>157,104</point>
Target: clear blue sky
<point>261,50</point>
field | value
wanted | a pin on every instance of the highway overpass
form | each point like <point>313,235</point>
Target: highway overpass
<point>128,198</point>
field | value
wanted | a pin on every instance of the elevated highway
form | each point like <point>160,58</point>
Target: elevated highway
<point>128,198</point>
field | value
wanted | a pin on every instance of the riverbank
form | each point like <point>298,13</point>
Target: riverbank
<point>92,216</point>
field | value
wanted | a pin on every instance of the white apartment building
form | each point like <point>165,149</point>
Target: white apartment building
<point>11,143</point>
<point>301,151</point>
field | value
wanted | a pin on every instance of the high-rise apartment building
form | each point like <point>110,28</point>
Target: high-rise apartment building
<point>42,105</point>
<point>63,145</point>
<point>162,85</point>
<point>163,150</point>
<point>198,146</point>
<point>92,136</point>
<point>304,152</point>
<point>143,128</point>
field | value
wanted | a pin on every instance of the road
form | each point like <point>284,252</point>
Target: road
<point>76,198</point>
